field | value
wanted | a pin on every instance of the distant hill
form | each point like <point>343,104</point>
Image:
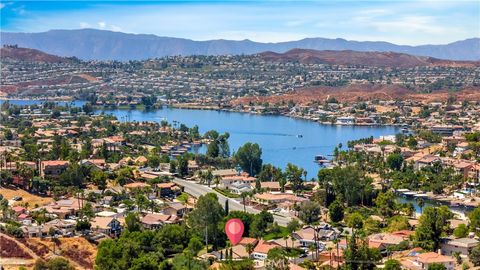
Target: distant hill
<point>25,54</point>
<point>378,59</point>
<point>107,45</point>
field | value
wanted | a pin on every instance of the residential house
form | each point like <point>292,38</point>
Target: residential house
<point>239,187</point>
<point>175,209</point>
<point>97,163</point>
<point>53,168</point>
<point>155,221</point>
<point>310,235</point>
<point>106,225</point>
<point>382,241</point>
<point>462,245</point>
<point>169,189</point>
<point>261,250</point>
<point>416,260</point>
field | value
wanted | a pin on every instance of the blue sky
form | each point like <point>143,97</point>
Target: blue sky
<point>411,22</point>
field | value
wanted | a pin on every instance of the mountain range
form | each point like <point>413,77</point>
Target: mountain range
<point>92,44</point>
<point>374,59</point>
<point>305,56</point>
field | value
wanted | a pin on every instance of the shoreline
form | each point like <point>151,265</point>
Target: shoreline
<point>208,108</point>
<point>211,108</point>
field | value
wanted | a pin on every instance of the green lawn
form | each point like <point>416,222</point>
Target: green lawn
<point>226,193</point>
<point>283,232</point>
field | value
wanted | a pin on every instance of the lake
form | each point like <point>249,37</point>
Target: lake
<point>277,135</point>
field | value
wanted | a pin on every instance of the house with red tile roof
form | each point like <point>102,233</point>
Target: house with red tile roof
<point>53,168</point>
<point>154,221</point>
<point>261,250</point>
<point>417,260</point>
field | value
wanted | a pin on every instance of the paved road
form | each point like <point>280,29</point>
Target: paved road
<point>197,190</point>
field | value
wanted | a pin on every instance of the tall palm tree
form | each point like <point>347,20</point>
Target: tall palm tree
<point>244,195</point>
<point>216,180</point>
<point>421,204</point>
<point>249,248</point>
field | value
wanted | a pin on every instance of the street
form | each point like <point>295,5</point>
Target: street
<point>197,190</point>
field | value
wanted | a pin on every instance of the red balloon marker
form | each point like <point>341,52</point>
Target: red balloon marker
<point>234,230</point>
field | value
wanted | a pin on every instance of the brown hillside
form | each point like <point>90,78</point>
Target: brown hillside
<point>379,59</point>
<point>353,93</point>
<point>25,54</point>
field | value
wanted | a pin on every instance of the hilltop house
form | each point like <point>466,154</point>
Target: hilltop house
<point>53,168</point>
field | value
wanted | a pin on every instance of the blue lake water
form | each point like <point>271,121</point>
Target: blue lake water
<point>277,135</point>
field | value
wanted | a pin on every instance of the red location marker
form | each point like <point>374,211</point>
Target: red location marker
<point>234,230</point>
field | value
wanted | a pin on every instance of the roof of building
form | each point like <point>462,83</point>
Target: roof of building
<point>433,257</point>
<point>264,246</point>
<point>55,162</point>
<point>464,242</point>
<point>101,222</point>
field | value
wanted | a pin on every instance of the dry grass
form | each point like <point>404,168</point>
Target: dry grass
<point>77,250</point>
<point>32,199</point>
<point>384,109</point>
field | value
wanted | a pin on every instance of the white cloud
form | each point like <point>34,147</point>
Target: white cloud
<point>2,5</point>
<point>425,24</point>
<point>102,24</point>
<point>295,23</point>
<point>84,25</point>
<point>115,28</point>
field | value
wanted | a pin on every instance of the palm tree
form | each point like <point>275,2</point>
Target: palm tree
<point>200,176</point>
<point>249,248</point>
<point>285,237</point>
<point>244,195</point>
<point>216,180</point>
<point>152,205</point>
<point>421,204</point>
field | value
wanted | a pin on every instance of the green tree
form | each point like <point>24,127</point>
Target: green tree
<point>309,212</point>
<point>260,223</point>
<point>132,222</point>
<point>249,157</point>
<point>57,263</point>
<point>355,220</point>
<point>182,165</point>
<point>433,223</point>
<point>99,178</point>
<point>461,231</point>
<point>386,204</point>
<point>474,256</point>
<point>294,176</point>
<point>277,259</point>
<point>392,264</point>
<point>293,225</point>
<point>213,150</point>
<point>206,217</point>
<point>395,161</point>
<point>474,217</point>
<point>436,266</point>
<point>335,211</point>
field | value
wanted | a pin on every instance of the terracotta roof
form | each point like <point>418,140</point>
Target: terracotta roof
<point>264,246</point>
<point>248,240</point>
<point>166,185</point>
<point>55,163</point>
<point>270,185</point>
<point>136,185</point>
<point>101,222</point>
<point>433,257</point>
<point>157,219</point>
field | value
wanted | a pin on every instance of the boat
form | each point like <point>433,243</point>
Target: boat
<point>299,136</point>
<point>321,159</point>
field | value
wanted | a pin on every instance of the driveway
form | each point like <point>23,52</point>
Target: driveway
<point>196,190</point>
